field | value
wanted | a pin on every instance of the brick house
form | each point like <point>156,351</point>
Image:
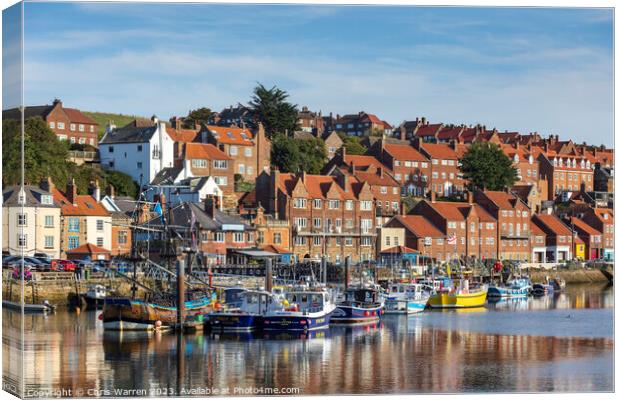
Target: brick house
<point>121,209</point>
<point>602,219</point>
<point>238,115</point>
<point>83,219</point>
<point>251,152</point>
<point>207,160</point>
<point>270,232</point>
<point>329,215</point>
<point>67,123</point>
<point>420,235</point>
<point>310,121</point>
<point>410,168</point>
<point>525,161</point>
<point>558,237</point>
<point>474,228</point>
<point>538,243</point>
<point>361,124</point>
<point>445,178</point>
<point>592,239</point>
<point>513,222</point>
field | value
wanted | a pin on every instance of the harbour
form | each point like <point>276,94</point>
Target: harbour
<point>532,344</point>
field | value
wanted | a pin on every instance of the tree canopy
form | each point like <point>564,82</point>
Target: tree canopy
<point>271,108</point>
<point>45,155</point>
<point>352,144</point>
<point>197,116</point>
<point>486,167</point>
<point>290,155</point>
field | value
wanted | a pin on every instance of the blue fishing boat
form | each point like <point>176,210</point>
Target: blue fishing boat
<point>406,298</point>
<point>519,287</point>
<point>253,304</point>
<point>360,305</point>
<point>301,311</point>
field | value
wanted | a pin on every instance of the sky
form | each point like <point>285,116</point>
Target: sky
<point>517,69</point>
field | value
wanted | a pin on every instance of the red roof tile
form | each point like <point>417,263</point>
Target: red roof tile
<point>449,133</point>
<point>229,135</point>
<point>404,152</point>
<point>85,205</point>
<point>362,161</point>
<point>552,223</point>
<point>582,225</point>
<point>374,179</point>
<point>505,201</point>
<point>317,186</point>
<point>77,116</point>
<point>182,135</point>
<point>439,151</point>
<point>204,151</point>
<point>399,250</point>
<point>88,249</point>
<point>419,226</point>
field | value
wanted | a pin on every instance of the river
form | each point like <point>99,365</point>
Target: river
<point>561,343</point>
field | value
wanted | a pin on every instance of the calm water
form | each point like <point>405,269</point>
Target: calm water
<point>561,343</point>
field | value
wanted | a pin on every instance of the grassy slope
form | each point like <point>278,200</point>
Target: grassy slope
<point>103,118</point>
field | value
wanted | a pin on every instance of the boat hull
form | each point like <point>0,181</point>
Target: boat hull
<point>501,292</point>
<point>352,314</point>
<point>452,300</point>
<point>235,322</point>
<point>405,306</point>
<point>294,322</point>
<point>125,314</point>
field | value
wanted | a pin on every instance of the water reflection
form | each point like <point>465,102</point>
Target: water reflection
<point>441,352</point>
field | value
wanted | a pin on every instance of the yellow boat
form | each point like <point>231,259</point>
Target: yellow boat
<point>458,299</point>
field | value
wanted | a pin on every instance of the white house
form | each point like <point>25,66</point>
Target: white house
<point>138,149</point>
<point>179,185</point>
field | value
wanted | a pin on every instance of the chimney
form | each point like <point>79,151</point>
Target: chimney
<point>47,184</point>
<point>303,176</point>
<point>343,181</point>
<point>433,196</point>
<point>109,191</point>
<point>453,144</point>
<point>93,190</point>
<point>515,145</point>
<point>57,102</point>
<point>154,119</point>
<point>470,197</point>
<point>72,191</point>
<point>352,167</point>
<point>424,122</point>
<point>210,206</point>
<point>110,126</point>
<point>380,171</point>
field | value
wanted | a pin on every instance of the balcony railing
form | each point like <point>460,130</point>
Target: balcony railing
<point>84,155</point>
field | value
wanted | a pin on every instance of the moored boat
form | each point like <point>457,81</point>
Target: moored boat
<point>95,296</point>
<point>248,316</point>
<point>541,289</point>
<point>361,304</point>
<point>459,297</point>
<point>301,311</point>
<point>407,298</point>
<point>519,287</point>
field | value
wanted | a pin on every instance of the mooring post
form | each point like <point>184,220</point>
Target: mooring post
<point>346,272</point>
<point>268,275</point>
<point>323,270</point>
<point>180,293</point>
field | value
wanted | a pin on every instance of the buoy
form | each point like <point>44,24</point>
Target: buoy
<point>100,317</point>
<point>366,314</point>
<point>285,303</point>
<point>157,324</point>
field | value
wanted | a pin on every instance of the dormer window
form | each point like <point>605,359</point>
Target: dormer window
<point>531,159</point>
<point>555,162</point>
<point>46,199</point>
<point>516,158</point>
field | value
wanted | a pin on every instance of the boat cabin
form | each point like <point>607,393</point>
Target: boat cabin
<point>361,296</point>
<point>232,296</point>
<point>256,301</point>
<point>310,302</point>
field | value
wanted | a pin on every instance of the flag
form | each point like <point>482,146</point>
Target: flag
<point>157,208</point>
<point>452,239</point>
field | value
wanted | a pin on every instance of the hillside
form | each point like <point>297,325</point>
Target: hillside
<point>103,118</point>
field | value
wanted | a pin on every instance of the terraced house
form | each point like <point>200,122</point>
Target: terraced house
<point>83,220</point>
<point>30,222</point>
<point>329,215</point>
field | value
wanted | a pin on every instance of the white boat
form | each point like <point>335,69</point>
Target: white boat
<point>253,304</point>
<point>301,311</point>
<point>406,298</point>
<point>95,296</point>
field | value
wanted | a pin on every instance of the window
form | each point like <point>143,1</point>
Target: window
<point>424,165</point>
<point>348,205</point>
<point>349,223</point>
<point>277,238</point>
<point>394,190</point>
<point>317,222</point>
<point>299,202</point>
<point>232,150</point>
<point>221,180</point>
<point>383,190</point>
<point>139,165</point>
<point>366,225</point>
<point>61,125</point>
<point>238,237</point>
<point>199,163</point>
<point>397,163</point>
<point>444,162</point>
<point>92,128</point>
<point>387,241</point>
<point>220,164</point>
<point>365,205</point>
<point>317,241</point>
<point>72,127</point>
<point>241,169</point>
<point>81,127</point>
<point>48,242</point>
<point>74,241</point>
<point>301,222</point>
<point>248,152</point>
<point>348,241</point>
<point>139,147</point>
<point>52,125</point>
<point>100,242</point>
<point>435,161</point>
<point>250,171</point>
<point>49,221</point>
<point>122,237</point>
<point>22,219</point>
<point>82,140</point>
<point>300,240</point>
<point>396,241</point>
<point>452,224</point>
<point>74,225</point>
<point>111,149</point>
<point>72,140</point>
<point>21,240</point>
<point>397,177</point>
<point>219,237</point>
<point>366,241</point>
<point>334,204</point>
<point>395,205</point>
<point>99,224</point>
<point>317,203</point>
<point>62,137</point>
<point>439,240</point>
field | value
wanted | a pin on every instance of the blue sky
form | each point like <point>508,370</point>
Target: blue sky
<point>545,70</point>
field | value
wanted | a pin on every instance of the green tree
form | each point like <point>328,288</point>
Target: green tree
<point>271,108</point>
<point>353,145</point>
<point>197,116</point>
<point>486,167</point>
<point>290,155</point>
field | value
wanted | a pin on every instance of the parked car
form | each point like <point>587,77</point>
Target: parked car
<point>65,265</point>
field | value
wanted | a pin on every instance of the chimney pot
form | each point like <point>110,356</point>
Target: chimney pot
<point>433,196</point>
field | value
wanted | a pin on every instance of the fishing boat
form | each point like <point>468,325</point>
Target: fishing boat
<point>460,296</point>
<point>160,312</point>
<point>95,296</point>
<point>541,289</point>
<point>407,298</point>
<point>232,296</point>
<point>253,304</point>
<point>44,307</point>
<point>558,284</point>
<point>361,304</point>
<point>519,287</point>
<point>301,311</point>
